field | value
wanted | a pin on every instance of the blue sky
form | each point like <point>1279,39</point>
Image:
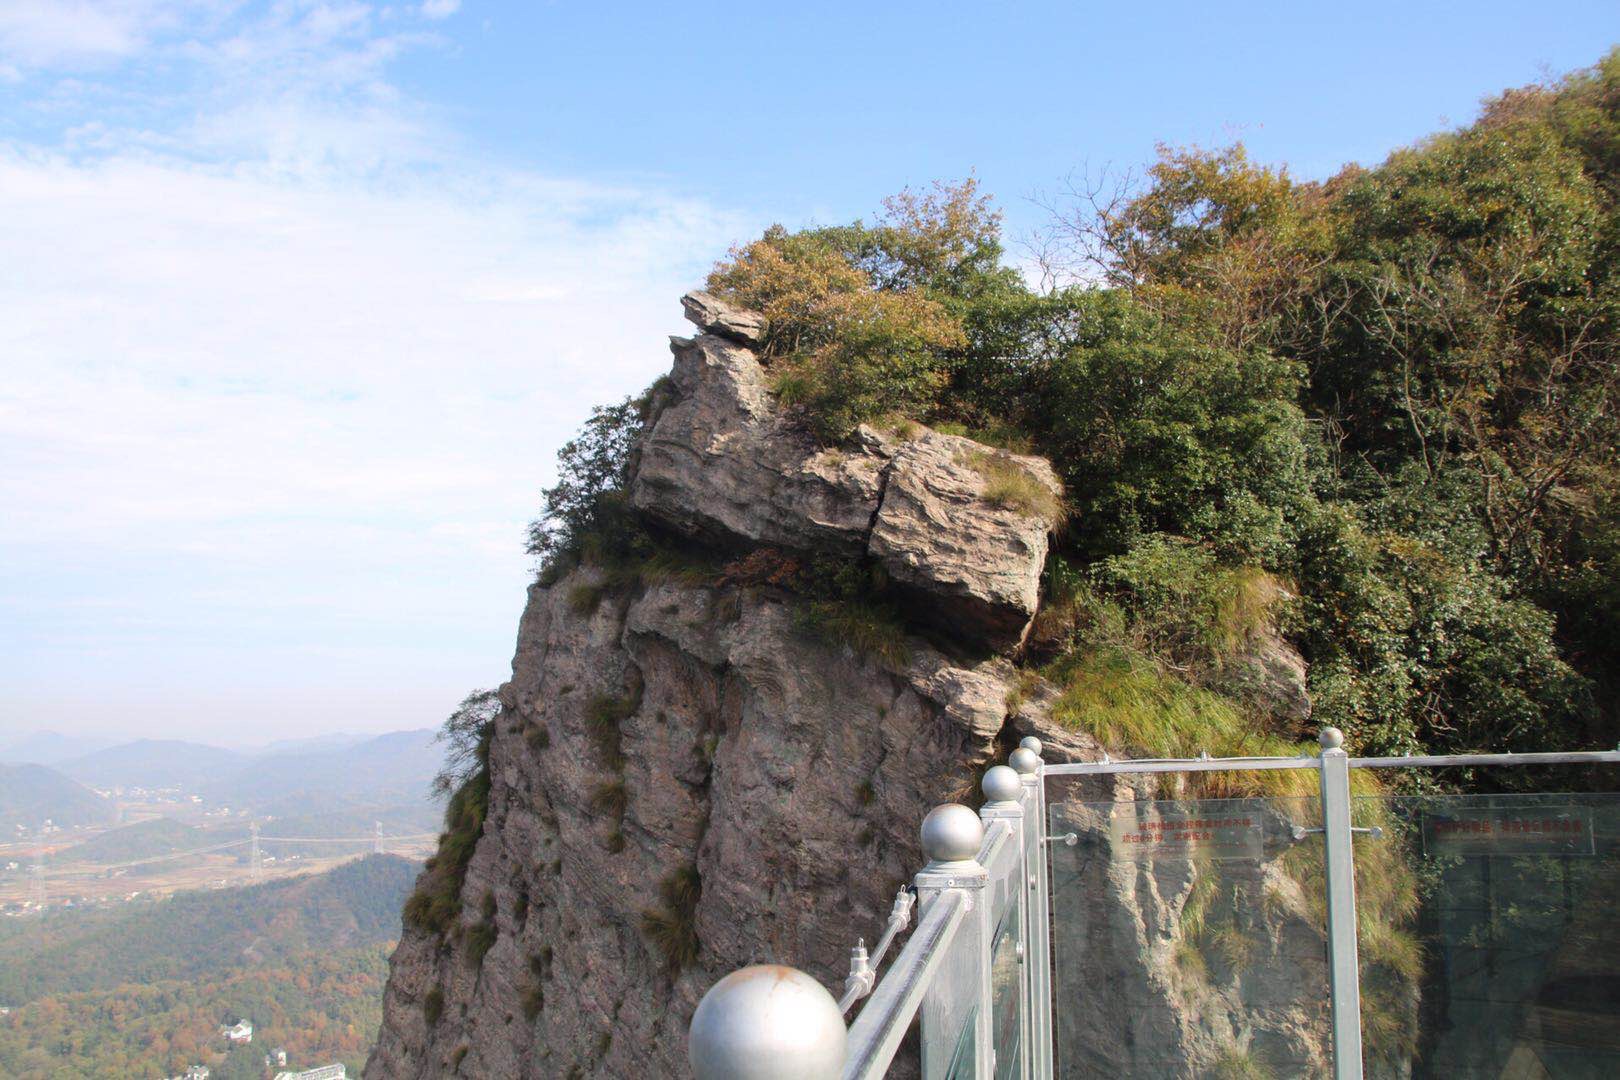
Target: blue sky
<point>298,299</point>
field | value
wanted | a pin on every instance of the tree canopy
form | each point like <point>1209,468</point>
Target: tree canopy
<point>1388,396</point>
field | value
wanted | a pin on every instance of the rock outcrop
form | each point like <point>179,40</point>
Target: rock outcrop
<point>726,464</point>
<point>683,780</point>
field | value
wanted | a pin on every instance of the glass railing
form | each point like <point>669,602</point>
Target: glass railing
<point>1187,937</point>
<point>1503,958</point>
<point>1239,918</point>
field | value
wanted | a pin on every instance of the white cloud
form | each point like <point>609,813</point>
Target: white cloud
<point>274,414</point>
<point>40,33</point>
<point>440,9</point>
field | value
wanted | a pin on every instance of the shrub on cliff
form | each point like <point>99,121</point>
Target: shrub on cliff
<point>587,505</point>
<point>436,902</point>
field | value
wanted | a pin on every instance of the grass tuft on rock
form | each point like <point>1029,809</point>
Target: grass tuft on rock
<point>481,937</point>
<point>671,928</point>
<point>603,715</point>
<point>871,629</point>
<point>1010,486</point>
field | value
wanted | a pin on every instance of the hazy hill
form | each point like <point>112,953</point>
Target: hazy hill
<point>395,769</point>
<point>153,763</point>
<point>30,794</point>
<point>329,774</point>
<point>332,741</point>
<point>202,933</point>
<point>139,841</point>
<point>48,748</point>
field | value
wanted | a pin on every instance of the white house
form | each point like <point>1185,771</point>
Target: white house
<point>239,1032</point>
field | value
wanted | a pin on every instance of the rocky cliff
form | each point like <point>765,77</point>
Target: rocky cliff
<point>686,777</point>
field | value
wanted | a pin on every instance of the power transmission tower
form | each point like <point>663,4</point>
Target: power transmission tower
<point>253,858</point>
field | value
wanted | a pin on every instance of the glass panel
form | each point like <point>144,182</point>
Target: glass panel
<point>951,1006</point>
<point>1004,894</point>
<point>1006,979</point>
<point>1490,935</point>
<point>1189,935</point>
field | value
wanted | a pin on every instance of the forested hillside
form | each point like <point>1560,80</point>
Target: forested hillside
<point>159,836</point>
<point>141,990</point>
<point>1376,413</point>
<point>200,932</point>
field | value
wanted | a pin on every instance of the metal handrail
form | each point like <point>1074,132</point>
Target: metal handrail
<point>1311,761</point>
<point>877,1032</point>
<point>1583,757</point>
<point>1168,765</point>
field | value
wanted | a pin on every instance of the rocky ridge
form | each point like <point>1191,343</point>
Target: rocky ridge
<point>725,463</point>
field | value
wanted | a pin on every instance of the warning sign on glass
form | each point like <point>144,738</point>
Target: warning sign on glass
<point>1481,830</point>
<point>1160,830</point>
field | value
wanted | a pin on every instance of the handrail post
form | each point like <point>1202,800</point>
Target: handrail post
<point>1039,962</point>
<point>1004,801</point>
<point>1339,857</point>
<point>951,837</point>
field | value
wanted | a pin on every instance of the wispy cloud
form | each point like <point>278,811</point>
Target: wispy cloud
<point>287,366</point>
<point>36,34</point>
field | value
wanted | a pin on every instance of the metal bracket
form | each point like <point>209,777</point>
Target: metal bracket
<point>1067,838</point>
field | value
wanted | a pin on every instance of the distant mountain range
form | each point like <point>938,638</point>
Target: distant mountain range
<point>387,770</point>
<point>152,763</point>
<point>352,775</point>
<point>32,794</point>
<point>49,748</point>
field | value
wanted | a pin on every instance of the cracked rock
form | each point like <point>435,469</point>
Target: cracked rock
<point>724,464</point>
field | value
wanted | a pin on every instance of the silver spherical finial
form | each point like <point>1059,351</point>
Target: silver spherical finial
<point>1001,784</point>
<point>767,1022</point>
<point>1024,761</point>
<point>1031,743</point>
<point>1331,738</point>
<point>951,833</point>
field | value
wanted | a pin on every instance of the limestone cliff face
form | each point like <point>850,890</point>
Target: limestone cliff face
<point>687,755</point>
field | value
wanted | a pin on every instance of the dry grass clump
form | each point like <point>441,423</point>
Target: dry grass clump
<point>603,715</point>
<point>584,597</point>
<point>480,939</point>
<point>1010,486</point>
<point>672,928</point>
<point>870,629</point>
<point>610,797</point>
<point>1238,1064</point>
